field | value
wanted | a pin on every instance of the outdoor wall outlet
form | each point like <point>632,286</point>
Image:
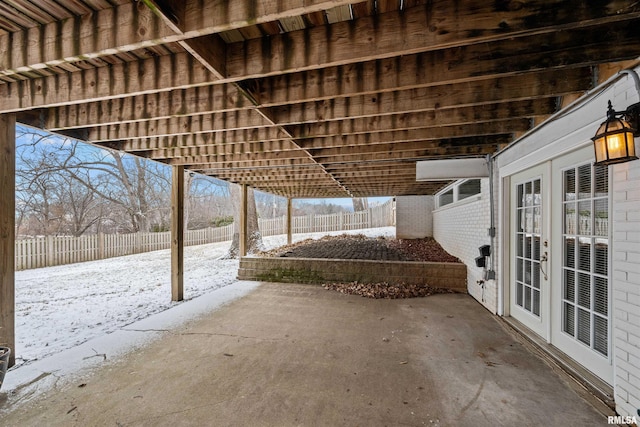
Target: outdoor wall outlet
<point>490,275</point>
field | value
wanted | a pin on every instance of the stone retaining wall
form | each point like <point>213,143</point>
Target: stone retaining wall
<point>307,270</point>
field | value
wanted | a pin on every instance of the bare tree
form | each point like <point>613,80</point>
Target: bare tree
<point>360,204</point>
<point>270,205</point>
<point>81,206</point>
<point>207,200</point>
<point>254,237</point>
<point>66,187</point>
<point>134,187</point>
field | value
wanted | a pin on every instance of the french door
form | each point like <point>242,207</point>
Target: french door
<point>560,257</point>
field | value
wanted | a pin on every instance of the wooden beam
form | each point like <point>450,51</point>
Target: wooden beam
<point>235,158</point>
<point>202,162</point>
<point>177,233</point>
<point>273,140</point>
<point>261,177</point>
<point>442,24</point>
<point>449,117</point>
<point>269,139</point>
<point>229,152</point>
<point>572,48</point>
<point>413,135</point>
<point>230,121</point>
<point>468,94</point>
<point>429,153</point>
<point>161,105</point>
<point>157,74</point>
<point>122,28</point>
<point>133,26</point>
<point>420,137</point>
<point>296,168</point>
<point>413,150</point>
<point>7,233</point>
<point>372,167</point>
<point>575,49</point>
<point>250,121</point>
<point>212,16</point>
<point>369,175</point>
<point>225,98</point>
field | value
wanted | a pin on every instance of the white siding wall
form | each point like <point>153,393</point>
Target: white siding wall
<point>414,217</point>
<point>461,228</point>
<point>626,286</point>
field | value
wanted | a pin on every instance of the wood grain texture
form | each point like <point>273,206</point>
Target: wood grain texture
<point>7,232</point>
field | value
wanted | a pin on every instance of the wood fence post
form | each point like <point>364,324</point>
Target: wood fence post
<point>138,237</point>
<point>50,252</point>
<point>101,248</point>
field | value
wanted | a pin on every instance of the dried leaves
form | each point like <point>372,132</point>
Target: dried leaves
<point>385,290</point>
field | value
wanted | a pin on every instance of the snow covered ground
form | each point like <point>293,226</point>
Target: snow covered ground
<point>64,306</point>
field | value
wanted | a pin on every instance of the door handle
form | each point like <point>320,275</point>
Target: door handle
<point>544,258</point>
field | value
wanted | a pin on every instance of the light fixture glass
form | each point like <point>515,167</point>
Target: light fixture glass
<point>613,142</point>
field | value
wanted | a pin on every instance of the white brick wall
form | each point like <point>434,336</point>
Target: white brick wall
<point>626,287</point>
<point>461,228</point>
<point>414,217</point>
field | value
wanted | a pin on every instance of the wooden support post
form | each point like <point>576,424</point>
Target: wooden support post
<point>177,233</point>
<point>243,220</point>
<point>289,228</point>
<point>7,232</point>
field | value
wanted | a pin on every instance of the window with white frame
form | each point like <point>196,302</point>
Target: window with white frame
<point>457,191</point>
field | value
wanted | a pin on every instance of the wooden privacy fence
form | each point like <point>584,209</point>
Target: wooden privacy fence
<point>58,250</point>
<point>378,216</point>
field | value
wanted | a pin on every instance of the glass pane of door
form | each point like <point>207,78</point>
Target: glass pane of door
<point>528,241</point>
<point>585,260</point>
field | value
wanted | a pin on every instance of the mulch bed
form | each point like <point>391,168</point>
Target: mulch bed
<point>349,246</point>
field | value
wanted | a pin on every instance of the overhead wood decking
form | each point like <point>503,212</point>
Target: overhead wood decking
<point>304,98</point>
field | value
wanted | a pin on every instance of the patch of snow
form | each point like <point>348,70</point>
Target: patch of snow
<point>64,306</point>
<point>29,380</point>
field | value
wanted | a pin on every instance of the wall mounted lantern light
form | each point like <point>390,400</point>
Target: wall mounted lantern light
<point>613,142</point>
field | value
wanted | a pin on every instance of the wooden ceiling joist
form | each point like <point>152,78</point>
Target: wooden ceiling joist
<point>305,98</point>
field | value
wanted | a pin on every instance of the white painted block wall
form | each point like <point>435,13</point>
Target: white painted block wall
<point>626,286</point>
<point>461,228</point>
<point>414,217</point>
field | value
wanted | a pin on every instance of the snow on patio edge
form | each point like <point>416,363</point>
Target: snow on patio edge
<point>61,307</point>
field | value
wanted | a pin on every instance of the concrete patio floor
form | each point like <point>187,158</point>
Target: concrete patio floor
<point>290,355</point>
